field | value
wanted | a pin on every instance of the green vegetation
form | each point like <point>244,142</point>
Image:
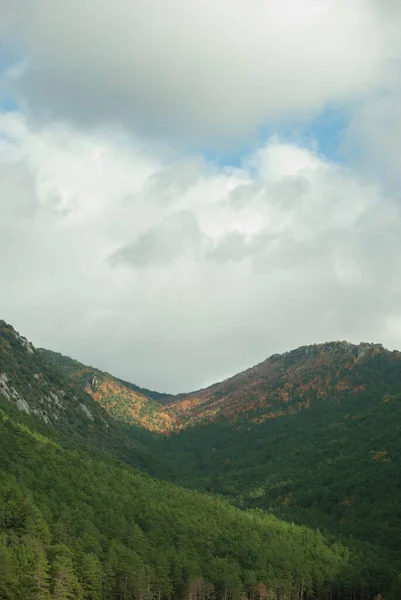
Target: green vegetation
<point>335,465</point>
<point>73,526</point>
<point>70,367</point>
<point>56,405</point>
<point>124,401</point>
<point>296,507</point>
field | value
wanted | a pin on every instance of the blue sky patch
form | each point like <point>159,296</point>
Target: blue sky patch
<point>8,104</point>
<point>323,133</point>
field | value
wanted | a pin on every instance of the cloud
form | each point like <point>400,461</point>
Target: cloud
<point>374,136</point>
<point>175,237</point>
<point>209,72</point>
<point>123,247</point>
<point>212,269</point>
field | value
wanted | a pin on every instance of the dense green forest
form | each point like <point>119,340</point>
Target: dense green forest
<point>298,507</point>
<point>336,466</point>
<point>74,526</point>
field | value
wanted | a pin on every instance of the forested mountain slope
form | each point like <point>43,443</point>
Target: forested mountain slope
<point>76,521</point>
<point>72,526</point>
<point>47,397</point>
<point>125,401</point>
<point>335,463</point>
<point>334,466</point>
<point>312,435</point>
<point>281,385</point>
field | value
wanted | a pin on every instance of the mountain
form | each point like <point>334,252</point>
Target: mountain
<point>281,385</point>
<point>35,389</point>
<point>124,401</point>
<point>320,445</point>
<point>73,526</point>
<point>312,435</point>
<point>39,393</point>
<point>294,467</point>
<point>76,521</point>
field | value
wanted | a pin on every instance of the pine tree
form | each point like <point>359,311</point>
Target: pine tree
<point>64,580</point>
<point>91,577</point>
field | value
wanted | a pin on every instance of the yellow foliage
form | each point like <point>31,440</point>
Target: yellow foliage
<point>381,456</point>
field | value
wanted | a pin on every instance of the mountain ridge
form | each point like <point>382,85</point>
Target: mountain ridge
<point>333,468</point>
<point>78,521</point>
<point>38,390</point>
<point>250,393</point>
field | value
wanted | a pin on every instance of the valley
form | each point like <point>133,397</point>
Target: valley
<point>282,482</point>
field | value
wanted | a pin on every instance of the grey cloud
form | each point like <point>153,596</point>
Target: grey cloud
<point>167,185</point>
<point>176,236</point>
<point>17,197</point>
<point>231,247</point>
<point>189,70</point>
<point>286,193</point>
<point>241,194</point>
<point>236,247</point>
<point>374,135</point>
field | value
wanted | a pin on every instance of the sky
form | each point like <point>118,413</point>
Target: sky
<point>189,187</point>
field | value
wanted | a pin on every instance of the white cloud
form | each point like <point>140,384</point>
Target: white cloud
<point>207,71</point>
<point>120,246</point>
<point>173,274</point>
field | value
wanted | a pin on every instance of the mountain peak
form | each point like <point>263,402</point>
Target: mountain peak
<point>313,466</point>
<point>8,331</point>
<point>330,348</point>
<point>283,384</point>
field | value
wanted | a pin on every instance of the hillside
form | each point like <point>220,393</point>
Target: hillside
<point>124,401</point>
<point>72,526</point>
<point>77,523</point>
<point>310,437</point>
<point>332,456</point>
<point>41,393</point>
<point>281,385</point>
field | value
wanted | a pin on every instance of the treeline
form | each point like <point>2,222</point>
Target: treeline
<point>73,526</point>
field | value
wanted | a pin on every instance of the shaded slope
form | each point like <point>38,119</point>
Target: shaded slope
<point>138,535</point>
<point>35,388</point>
<point>335,465</point>
<point>47,398</point>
